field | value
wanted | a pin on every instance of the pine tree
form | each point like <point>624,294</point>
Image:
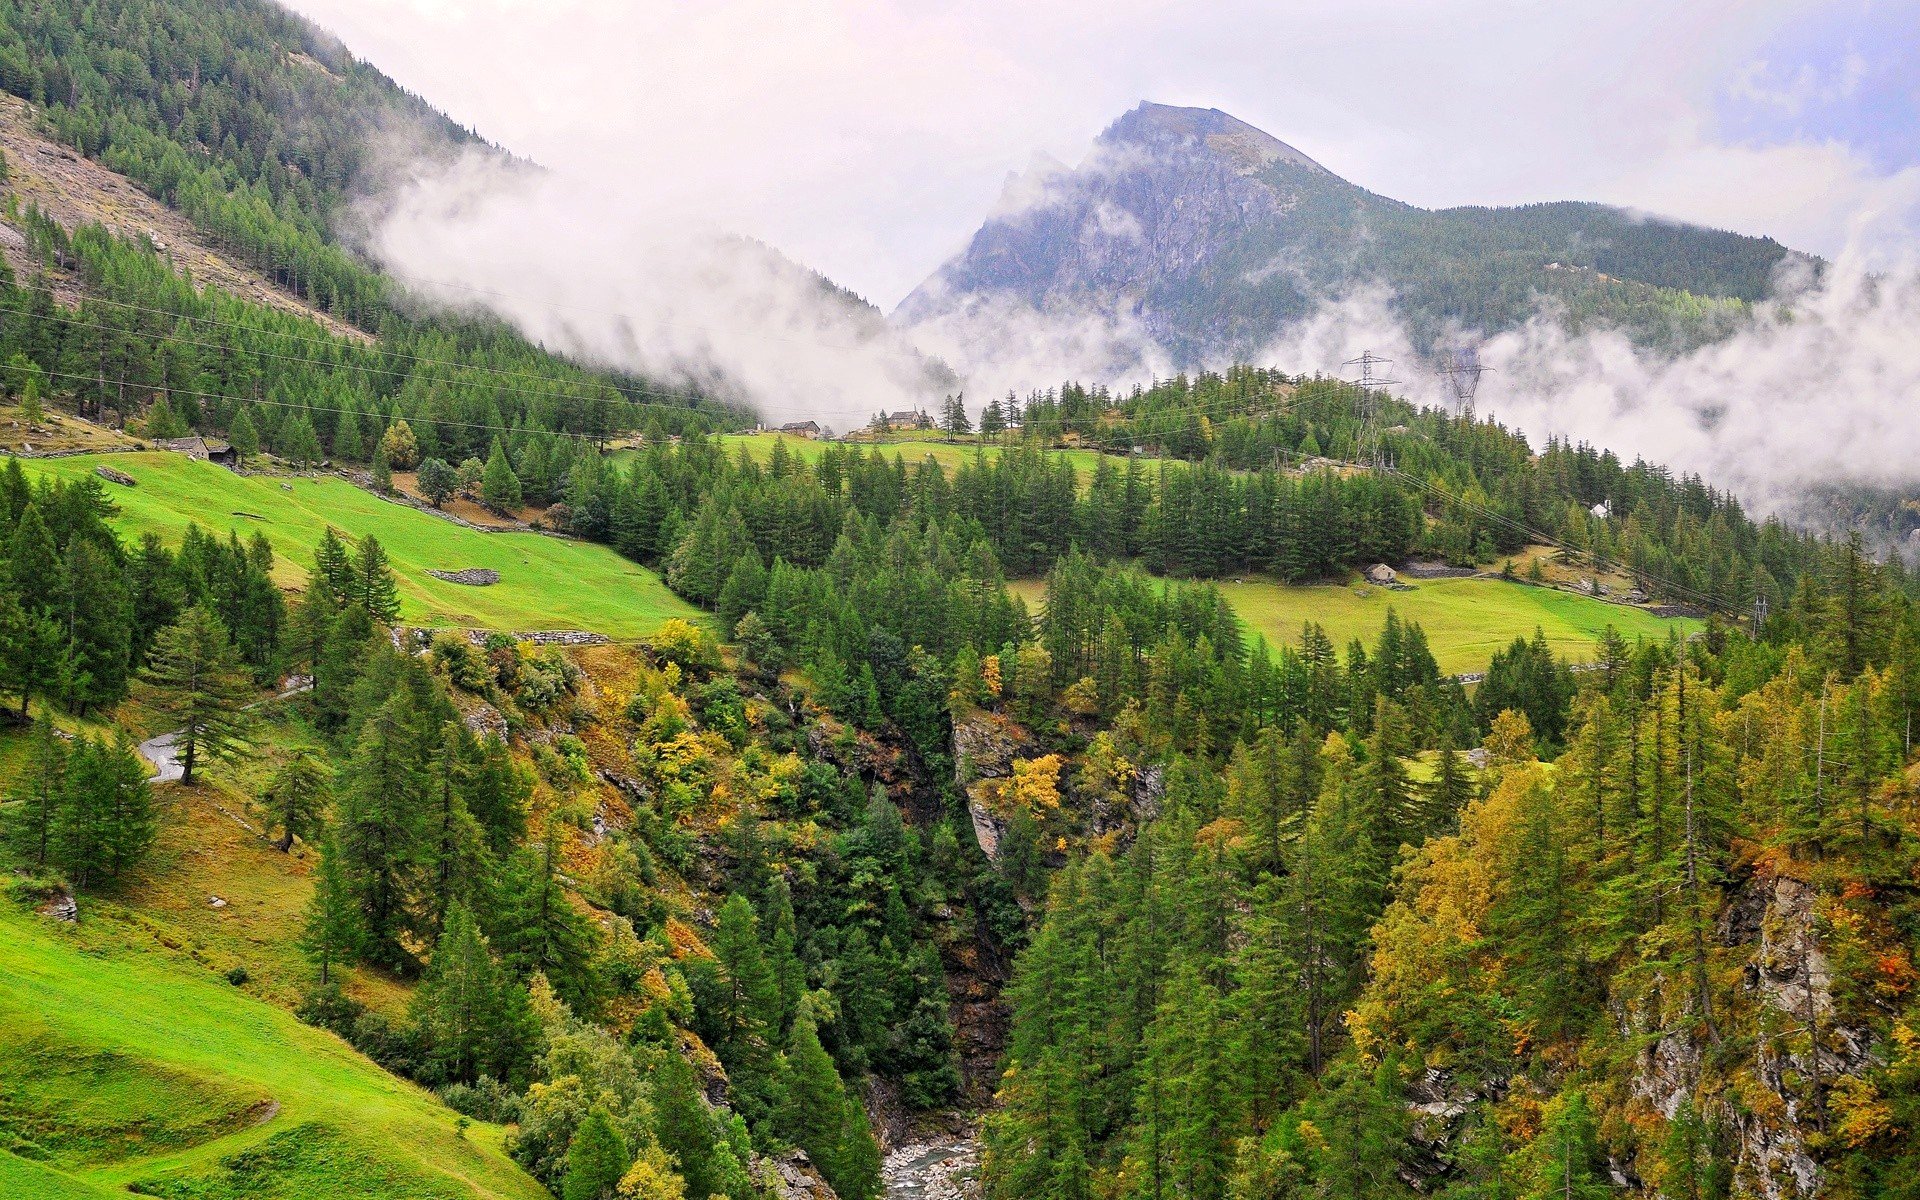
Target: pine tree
<point>333,567</point>
<point>750,1004</point>
<point>381,469</point>
<point>296,798</point>
<point>499,486</point>
<point>333,933</point>
<point>32,661</point>
<point>243,436</point>
<point>35,795</point>
<point>682,1121</point>
<point>596,1159</point>
<point>374,588</point>
<point>1450,788</point>
<point>538,929</point>
<point>105,822</point>
<point>195,681</point>
<point>379,828</point>
<point>96,619</point>
<point>460,1009</point>
<point>817,1115</point>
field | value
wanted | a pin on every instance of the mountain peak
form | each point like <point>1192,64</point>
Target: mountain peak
<point>1160,126</point>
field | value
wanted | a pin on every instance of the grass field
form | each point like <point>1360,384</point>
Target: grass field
<point>545,582</point>
<point>124,1067</point>
<point>1466,620</point>
<point>950,455</point>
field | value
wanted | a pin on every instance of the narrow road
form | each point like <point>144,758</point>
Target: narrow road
<point>164,753</point>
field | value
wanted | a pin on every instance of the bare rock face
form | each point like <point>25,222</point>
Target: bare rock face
<point>1788,976</point>
<point>984,747</point>
<point>794,1177</point>
<point>485,721</point>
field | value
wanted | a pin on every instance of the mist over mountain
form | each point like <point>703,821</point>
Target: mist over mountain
<point>1196,238</point>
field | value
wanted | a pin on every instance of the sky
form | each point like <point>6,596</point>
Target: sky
<point>867,138</point>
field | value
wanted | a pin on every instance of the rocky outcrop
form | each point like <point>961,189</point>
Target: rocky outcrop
<point>793,1176</point>
<point>1799,1048</point>
<point>471,576</point>
<point>984,747</point>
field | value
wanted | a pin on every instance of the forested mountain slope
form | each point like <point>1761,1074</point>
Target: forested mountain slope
<point>1216,235</point>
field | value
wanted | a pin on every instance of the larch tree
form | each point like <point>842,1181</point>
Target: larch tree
<point>195,680</point>
<point>296,796</point>
<point>333,934</point>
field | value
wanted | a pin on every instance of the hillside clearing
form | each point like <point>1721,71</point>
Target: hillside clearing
<point>950,455</point>
<point>1466,620</point>
<point>545,582</point>
<point>77,995</point>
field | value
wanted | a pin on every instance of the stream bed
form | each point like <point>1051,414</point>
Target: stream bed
<point>941,1169</point>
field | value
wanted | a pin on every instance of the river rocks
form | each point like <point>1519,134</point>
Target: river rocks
<point>60,906</point>
<point>944,1169</point>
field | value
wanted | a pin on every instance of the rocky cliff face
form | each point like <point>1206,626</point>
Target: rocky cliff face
<point>1772,1102</point>
<point>1152,223</point>
<point>1188,237</point>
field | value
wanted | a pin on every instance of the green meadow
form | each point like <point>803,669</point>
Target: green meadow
<point>128,1068</point>
<point>545,582</point>
<point>950,455</point>
<point>1466,620</point>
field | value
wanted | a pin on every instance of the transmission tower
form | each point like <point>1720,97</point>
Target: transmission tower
<point>1463,370</point>
<point>1369,450</point>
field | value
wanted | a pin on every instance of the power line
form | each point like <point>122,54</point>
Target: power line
<point>1370,385</point>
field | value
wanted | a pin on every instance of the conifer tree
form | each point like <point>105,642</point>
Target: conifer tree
<point>499,486</point>
<point>461,1007</point>
<point>378,826</point>
<point>682,1122</point>
<point>374,588</point>
<point>194,680</point>
<point>35,795</point>
<point>596,1159</point>
<point>243,436</point>
<point>105,822</point>
<point>296,798</point>
<point>96,621</point>
<point>334,933</point>
<point>749,1004</point>
<point>538,929</point>
<point>381,469</point>
<point>817,1115</point>
<point>333,567</point>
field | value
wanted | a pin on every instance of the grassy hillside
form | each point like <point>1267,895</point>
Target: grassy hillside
<point>950,455</point>
<point>130,1069</point>
<point>545,582</point>
<point>1466,620</point>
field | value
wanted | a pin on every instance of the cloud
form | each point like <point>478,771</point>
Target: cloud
<point>1814,389</point>
<point>867,138</point>
<point>581,268</point>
